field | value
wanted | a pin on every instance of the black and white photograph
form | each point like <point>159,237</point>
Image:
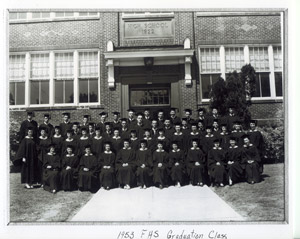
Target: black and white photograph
<point>157,116</point>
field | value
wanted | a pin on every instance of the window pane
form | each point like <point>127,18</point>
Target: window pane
<point>20,92</point>
<point>22,15</point>
<point>278,83</point>
<point>234,59</point>
<point>34,92</point>
<point>93,90</point>
<point>40,66</point>
<point>69,14</point>
<point>259,58</point>
<point>17,67</point>
<point>64,65</point>
<point>83,91</point>
<point>45,14</point>
<point>44,92</point>
<point>257,87</point>
<point>83,13</point>
<point>59,91</point>
<point>12,96</point>
<point>88,64</point>
<point>59,14</point>
<point>210,60</point>
<point>36,15</point>
<point>139,97</point>
<point>265,84</point>
<point>13,15</point>
<point>277,58</point>
<point>205,80</point>
<point>69,89</point>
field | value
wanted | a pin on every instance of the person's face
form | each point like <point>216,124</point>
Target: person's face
<point>143,145</point>
<point>217,144</point>
<point>172,113</point>
<point>215,125</point>
<point>102,118</point>
<point>57,131</point>
<point>177,128</point>
<point>46,119</point>
<point>146,113</point>
<point>69,135</point>
<point>161,133</point>
<point>230,110</point>
<point>107,127</point>
<point>130,114</point>
<point>224,129</point>
<point>194,144</point>
<point>83,132</point>
<point>43,133</point>
<point>69,150</point>
<point>160,115</point>
<point>29,117</point>
<point>159,146</point>
<point>123,124</point>
<point>126,144</point>
<point>252,125</point>
<point>139,119</point>
<point>66,118</point>
<point>98,132</point>
<point>87,150</point>
<point>116,133</point>
<point>232,142</point>
<point>175,146</point>
<point>107,147</point>
<point>116,117</point>
<point>85,120</point>
<point>167,123</point>
<point>215,111</point>
<point>154,123</point>
<point>208,131</point>
<point>200,125</point>
<point>52,150</point>
<point>187,114</point>
<point>246,141</point>
<point>75,127</point>
<point>184,123</point>
<point>194,128</point>
<point>201,113</point>
<point>91,128</point>
<point>133,134</point>
<point>237,127</point>
<point>147,133</point>
<point>29,133</point>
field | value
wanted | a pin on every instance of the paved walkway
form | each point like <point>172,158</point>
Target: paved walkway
<point>152,204</point>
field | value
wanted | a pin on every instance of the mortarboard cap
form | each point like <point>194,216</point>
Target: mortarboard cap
<point>76,123</point>
<point>57,127</point>
<point>232,138</point>
<point>194,124</point>
<point>30,128</point>
<point>195,139</point>
<point>175,142</point>
<point>115,113</point>
<point>69,131</point>
<point>131,110</point>
<point>83,129</point>
<point>216,141</point>
<point>223,125</point>
<point>88,146</point>
<point>51,146</point>
<point>30,113</point>
<point>143,141</point>
<point>188,110</point>
<point>245,136</point>
<point>216,120</point>
<point>253,121</point>
<point>70,146</point>
<point>103,113</point>
<point>107,142</point>
<point>66,113</point>
<point>201,109</point>
<point>86,116</point>
<point>47,115</point>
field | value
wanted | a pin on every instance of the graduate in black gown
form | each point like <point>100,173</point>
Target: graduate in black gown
<point>51,173</point>
<point>97,142</point>
<point>238,133</point>
<point>147,118</point>
<point>176,164</point>
<point>160,166</point>
<point>162,138</point>
<point>57,139</point>
<point>193,134</point>
<point>174,119</point>
<point>27,154</point>
<point>107,164</point>
<point>66,124</point>
<point>88,171</point>
<point>179,137</point>
<point>49,127</point>
<point>116,123</point>
<point>69,141</point>
<point>28,123</point>
<point>224,136</point>
<point>124,130</point>
<point>83,141</point>
<point>202,117</point>
<point>69,172</point>
<point>116,141</point>
<point>169,129</point>
<point>144,165</point>
<point>134,140</point>
<point>125,165</point>
<point>43,148</point>
<point>195,164</point>
<point>251,159</point>
<point>234,168</point>
<point>207,142</point>
<point>150,141</point>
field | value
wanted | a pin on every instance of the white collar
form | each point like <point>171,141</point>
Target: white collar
<point>109,152</point>
<point>252,130</point>
<point>233,147</point>
<point>114,137</point>
<point>195,148</point>
<point>209,136</point>
<point>180,133</point>
<point>97,137</point>
<point>219,148</point>
<point>161,137</point>
<point>88,154</point>
<point>248,145</point>
<point>160,150</point>
<point>133,139</point>
<point>51,154</point>
<point>27,137</point>
<point>42,137</point>
<point>69,140</point>
<point>68,155</point>
<point>57,136</point>
<point>127,148</point>
<point>141,149</point>
<point>84,137</point>
<point>222,133</point>
<point>176,150</point>
<point>196,133</point>
<point>147,138</point>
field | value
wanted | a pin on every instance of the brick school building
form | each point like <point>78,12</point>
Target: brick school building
<point>88,62</point>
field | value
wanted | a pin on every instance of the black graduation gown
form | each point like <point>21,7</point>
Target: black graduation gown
<point>107,175</point>
<point>69,177</point>
<point>230,119</point>
<point>147,122</point>
<point>117,144</point>
<point>165,141</point>
<point>257,140</point>
<point>125,175</point>
<point>51,176</point>
<point>235,170</point>
<point>175,120</point>
<point>224,140</point>
<point>125,133</point>
<point>211,118</point>
<point>238,135</point>
<point>217,172</point>
<point>30,169</point>
<point>154,133</point>
<point>177,171</point>
<point>64,127</point>
<point>252,169</point>
<point>134,144</point>
<point>107,135</point>
<point>180,139</point>
<point>192,136</point>
<point>205,121</point>
<point>208,143</point>
<point>57,141</point>
<point>25,125</point>
<point>97,146</point>
<point>131,123</point>
<point>101,125</point>
<point>49,127</point>
<point>151,143</point>
<point>195,172</point>
<point>82,142</point>
<point>43,149</point>
<point>144,174</point>
<point>169,132</point>
<point>139,130</point>
<point>65,143</point>
<point>87,179</point>
<point>160,175</point>
<point>116,124</point>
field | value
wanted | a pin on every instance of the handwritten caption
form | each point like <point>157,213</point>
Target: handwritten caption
<point>152,234</point>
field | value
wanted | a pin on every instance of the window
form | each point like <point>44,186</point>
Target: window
<point>39,79</point>
<point>81,14</point>
<point>278,70</point>
<point>17,79</point>
<point>17,15</point>
<point>64,14</point>
<point>210,69</point>
<point>88,74</point>
<point>259,59</point>
<point>40,14</point>
<point>151,97</point>
<point>64,78</point>
<point>234,59</point>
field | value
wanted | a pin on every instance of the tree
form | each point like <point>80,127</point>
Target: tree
<point>237,90</point>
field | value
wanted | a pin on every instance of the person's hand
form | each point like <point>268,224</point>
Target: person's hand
<point>86,169</point>
<point>197,163</point>
<point>108,167</point>
<point>49,166</point>
<point>24,160</point>
<point>230,162</point>
<point>143,166</point>
<point>250,161</point>
<point>176,164</point>
<point>68,168</point>
<point>159,165</point>
<point>124,164</point>
<point>218,163</point>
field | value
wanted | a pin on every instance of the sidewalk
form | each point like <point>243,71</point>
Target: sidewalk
<point>187,203</point>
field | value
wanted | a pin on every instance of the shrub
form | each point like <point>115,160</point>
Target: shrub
<point>13,137</point>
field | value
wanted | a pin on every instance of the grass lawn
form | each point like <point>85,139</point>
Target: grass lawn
<point>258,202</point>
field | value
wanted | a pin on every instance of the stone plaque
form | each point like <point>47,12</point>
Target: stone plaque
<point>148,29</point>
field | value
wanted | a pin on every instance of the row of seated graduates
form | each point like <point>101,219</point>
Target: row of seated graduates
<point>130,167</point>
